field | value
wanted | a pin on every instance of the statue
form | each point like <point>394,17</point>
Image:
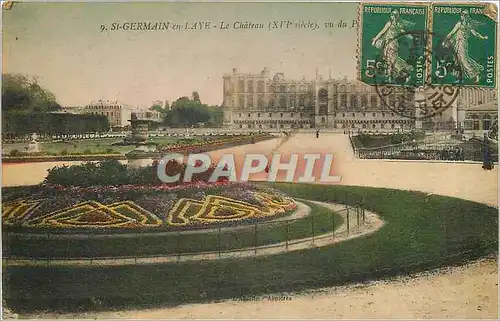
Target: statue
<point>33,146</point>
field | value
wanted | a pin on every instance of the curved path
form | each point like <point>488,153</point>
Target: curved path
<point>342,233</point>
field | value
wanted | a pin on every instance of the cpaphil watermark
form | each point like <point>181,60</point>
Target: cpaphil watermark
<point>253,164</point>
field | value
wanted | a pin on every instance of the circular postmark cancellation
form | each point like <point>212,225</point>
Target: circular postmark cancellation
<point>405,85</point>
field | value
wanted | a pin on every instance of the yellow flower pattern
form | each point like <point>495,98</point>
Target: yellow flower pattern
<point>17,210</point>
<point>192,212</point>
<point>96,215</point>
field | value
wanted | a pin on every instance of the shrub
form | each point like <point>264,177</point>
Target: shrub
<point>15,153</point>
<point>112,172</point>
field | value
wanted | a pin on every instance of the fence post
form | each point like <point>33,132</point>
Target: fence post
<point>179,246</point>
<point>286,234</point>
<point>333,225</point>
<point>312,228</point>
<point>218,240</point>
<point>347,215</point>
<point>357,215</point>
<point>255,238</point>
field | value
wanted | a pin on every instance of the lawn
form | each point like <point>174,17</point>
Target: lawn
<point>421,232</point>
<point>372,141</point>
<point>94,146</point>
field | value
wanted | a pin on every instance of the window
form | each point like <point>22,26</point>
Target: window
<point>260,86</point>
<point>300,115</point>
<point>242,102</point>
<point>373,101</point>
<point>291,114</point>
<point>260,103</point>
<point>282,101</point>
<point>353,114</point>
<point>250,86</point>
<point>249,115</point>
<point>343,100</point>
<point>241,85</point>
<point>476,124</point>
<point>354,101</point>
<point>374,126</point>
<point>258,115</point>
<point>392,126</point>
<point>383,114</point>
<point>364,114</point>
<point>239,115</point>
<point>374,115</point>
<point>250,102</point>
<point>382,126</point>
<point>364,101</point>
<point>270,115</point>
<point>241,126</point>
<point>343,114</point>
<point>364,125</point>
<point>281,114</point>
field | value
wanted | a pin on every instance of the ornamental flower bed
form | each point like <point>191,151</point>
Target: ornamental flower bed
<point>129,207</point>
<point>219,143</point>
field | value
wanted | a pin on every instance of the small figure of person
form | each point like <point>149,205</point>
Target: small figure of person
<point>487,161</point>
<point>317,133</point>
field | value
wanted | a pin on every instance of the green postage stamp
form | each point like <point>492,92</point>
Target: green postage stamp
<point>465,34</point>
<point>392,45</point>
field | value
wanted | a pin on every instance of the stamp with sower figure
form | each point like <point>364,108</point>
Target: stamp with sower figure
<point>469,32</point>
<point>392,45</point>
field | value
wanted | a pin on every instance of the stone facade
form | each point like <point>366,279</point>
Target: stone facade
<point>117,113</point>
<point>258,101</point>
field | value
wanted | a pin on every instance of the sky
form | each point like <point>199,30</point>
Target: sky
<point>61,44</point>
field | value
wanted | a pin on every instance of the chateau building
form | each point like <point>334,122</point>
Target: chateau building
<point>117,113</point>
<point>149,115</point>
<point>258,101</point>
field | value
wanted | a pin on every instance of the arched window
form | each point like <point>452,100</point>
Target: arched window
<point>373,101</point>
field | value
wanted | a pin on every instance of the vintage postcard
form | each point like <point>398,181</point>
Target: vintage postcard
<point>291,160</point>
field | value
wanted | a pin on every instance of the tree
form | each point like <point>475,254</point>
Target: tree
<point>24,95</point>
<point>196,96</point>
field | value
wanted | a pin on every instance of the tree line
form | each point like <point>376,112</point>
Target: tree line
<point>188,112</point>
<point>27,108</point>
